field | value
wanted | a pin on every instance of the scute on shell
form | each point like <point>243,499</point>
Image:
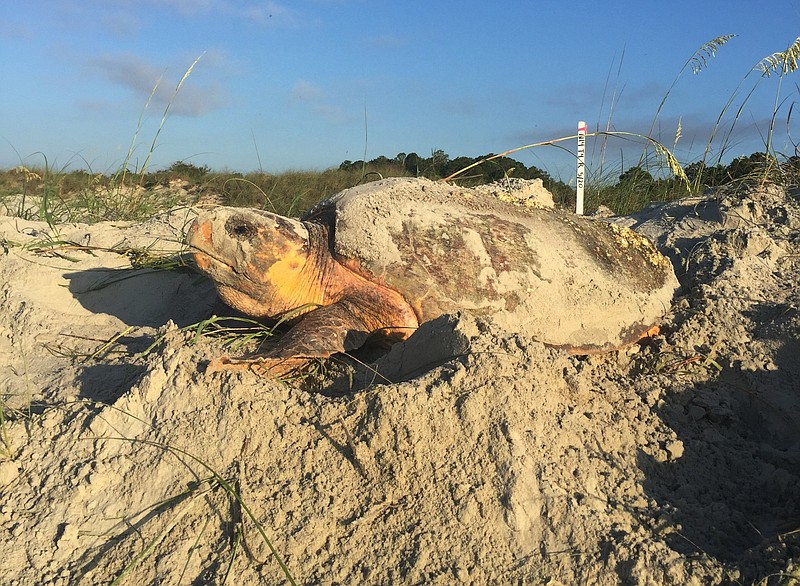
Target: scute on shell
<point>562,279</point>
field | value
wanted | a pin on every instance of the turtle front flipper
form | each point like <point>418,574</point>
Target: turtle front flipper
<point>328,330</point>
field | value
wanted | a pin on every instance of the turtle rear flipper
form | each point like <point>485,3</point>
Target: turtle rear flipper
<point>325,331</point>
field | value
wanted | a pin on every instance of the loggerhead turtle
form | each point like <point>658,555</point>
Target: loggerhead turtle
<point>381,258</point>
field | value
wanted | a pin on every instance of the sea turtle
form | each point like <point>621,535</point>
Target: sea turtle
<point>381,258</point>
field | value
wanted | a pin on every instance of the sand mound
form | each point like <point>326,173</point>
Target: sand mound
<point>528,192</point>
<point>490,459</point>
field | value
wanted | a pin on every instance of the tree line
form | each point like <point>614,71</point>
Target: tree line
<point>637,178</point>
<point>440,165</point>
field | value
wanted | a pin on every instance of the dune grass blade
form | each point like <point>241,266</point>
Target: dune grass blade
<point>123,172</point>
<point>237,539</point>
<point>366,144</point>
<point>222,482</point>
<point>613,101</point>
<point>193,549</point>
<point>784,63</point>
<point>697,62</point>
<point>726,136</point>
<point>214,326</point>
<point>44,207</point>
<point>133,206</point>
<point>109,344</point>
<point>707,51</point>
<point>256,187</point>
<point>166,113</point>
<point>158,538</point>
<point>512,151</point>
<point>6,450</point>
<point>669,158</point>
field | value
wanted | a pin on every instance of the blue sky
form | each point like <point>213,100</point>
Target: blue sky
<point>306,84</point>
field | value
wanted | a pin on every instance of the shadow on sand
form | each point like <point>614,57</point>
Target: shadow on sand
<point>735,488</point>
<point>145,299</point>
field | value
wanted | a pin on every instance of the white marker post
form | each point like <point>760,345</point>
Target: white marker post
<point>580,182</point>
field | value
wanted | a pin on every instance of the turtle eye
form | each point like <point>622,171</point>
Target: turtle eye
<point>240,228</point>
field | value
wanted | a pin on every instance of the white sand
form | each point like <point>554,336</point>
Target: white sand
<point>494,460</point>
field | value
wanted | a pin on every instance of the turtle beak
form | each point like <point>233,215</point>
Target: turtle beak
<point>199,239</point>
<point>207,257</point>
<point>199,235</point>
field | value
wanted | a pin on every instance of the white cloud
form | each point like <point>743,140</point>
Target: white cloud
<point>305,91</point>
<point>144,79</point>
<point>385,42</point>
<point>331,113</point>
<point>311,96</point>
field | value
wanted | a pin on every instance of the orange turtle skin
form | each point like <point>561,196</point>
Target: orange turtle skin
<point>379,259</point>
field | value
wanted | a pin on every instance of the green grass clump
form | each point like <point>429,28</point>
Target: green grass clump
<point>52,195</point>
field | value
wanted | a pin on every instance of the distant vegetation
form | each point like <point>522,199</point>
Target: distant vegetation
<point>80,195</point>
<point>130,194</point>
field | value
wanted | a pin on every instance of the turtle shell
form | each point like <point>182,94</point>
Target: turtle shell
<point>565,280</point>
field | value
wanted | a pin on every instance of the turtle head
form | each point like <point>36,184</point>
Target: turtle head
<point>255,258</point>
